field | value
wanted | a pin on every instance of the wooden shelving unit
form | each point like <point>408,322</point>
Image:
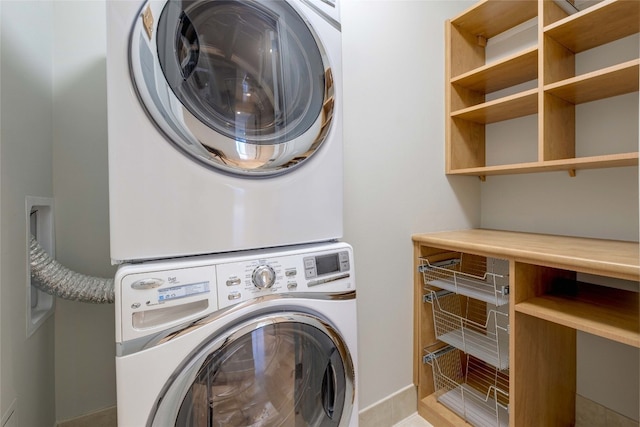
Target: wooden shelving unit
<point>549,65</point>
<point>546,308</point>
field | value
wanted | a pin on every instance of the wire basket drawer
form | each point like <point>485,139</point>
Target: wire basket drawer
<point>486,279</point>
<point>472,326</point>
<point>471,388</point>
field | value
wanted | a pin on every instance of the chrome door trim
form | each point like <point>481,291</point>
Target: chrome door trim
<point>168,401</point>
<point>324,15</point>
<point>144,343</point>
<point>186,132</point>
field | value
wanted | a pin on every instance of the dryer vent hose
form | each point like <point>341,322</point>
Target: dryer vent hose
<point>53,278</point>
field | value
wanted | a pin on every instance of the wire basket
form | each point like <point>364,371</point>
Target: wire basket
<point>469,387</point>
<point>486,279</point>
<point>472,326</point>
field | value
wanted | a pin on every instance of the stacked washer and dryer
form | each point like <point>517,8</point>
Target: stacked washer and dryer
<point>235,301</point>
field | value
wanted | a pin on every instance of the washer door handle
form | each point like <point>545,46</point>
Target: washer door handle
<point>329,386</point>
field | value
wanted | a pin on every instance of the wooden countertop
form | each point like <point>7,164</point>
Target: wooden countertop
<point>613,258</point>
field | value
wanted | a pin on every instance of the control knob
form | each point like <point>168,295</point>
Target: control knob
<point>263,276</point>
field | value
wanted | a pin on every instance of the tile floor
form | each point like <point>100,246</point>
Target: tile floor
<point>414,420</point>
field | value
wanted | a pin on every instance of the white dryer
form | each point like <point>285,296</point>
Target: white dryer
<point>225,125</point>
<point>257,338</point>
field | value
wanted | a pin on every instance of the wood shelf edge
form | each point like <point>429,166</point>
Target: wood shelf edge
<point>597,256</point>
<point>591,162</point>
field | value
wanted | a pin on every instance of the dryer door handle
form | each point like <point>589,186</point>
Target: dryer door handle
<point>187,46</point>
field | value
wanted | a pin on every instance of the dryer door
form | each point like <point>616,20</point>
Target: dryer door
<point>285,369</point>
<point>239,85</point>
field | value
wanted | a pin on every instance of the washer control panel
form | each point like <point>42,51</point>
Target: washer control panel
<point>321,271</point>
<point>154,296</point>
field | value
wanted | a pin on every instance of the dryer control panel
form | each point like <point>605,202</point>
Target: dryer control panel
<point>155,296</point>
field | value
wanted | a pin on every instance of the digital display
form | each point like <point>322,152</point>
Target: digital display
<point>327,264</point>
<point>183,291</point>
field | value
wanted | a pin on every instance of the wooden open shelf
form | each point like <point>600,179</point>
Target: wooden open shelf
<point>551,62</point>
<point>612,81</point>
<point>489,18</point>
<point>601,311</point>
<point>600,24</point>
<point>510,71</point>
<point>547,308</point>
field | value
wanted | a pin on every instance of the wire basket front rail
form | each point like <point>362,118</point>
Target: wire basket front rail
<point>486,279</point>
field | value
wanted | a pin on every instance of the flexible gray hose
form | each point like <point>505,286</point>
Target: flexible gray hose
<point>53,278</point>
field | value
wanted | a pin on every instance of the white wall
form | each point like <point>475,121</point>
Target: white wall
<point>393,59</point>
<point>27,368</point>
<point>85,333</point>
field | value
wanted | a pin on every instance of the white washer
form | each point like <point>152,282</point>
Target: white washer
<point>257,338</point>
<point>225,125</point>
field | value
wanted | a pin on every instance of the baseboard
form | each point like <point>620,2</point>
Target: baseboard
<point>104,418</point>
<point>390,410</point>
<point>592,414</point>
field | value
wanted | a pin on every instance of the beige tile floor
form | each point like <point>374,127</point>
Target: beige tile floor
<point>414,420</point>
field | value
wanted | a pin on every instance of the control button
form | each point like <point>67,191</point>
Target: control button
<point>149,283</point>
<point>233,281</point>
<point>290,272</point>
<point>135,305</point>
<point>310,272</point>
<point>263,276</point>
<point>234,296</point>
<point>309,262</point>
<point>292,285</point>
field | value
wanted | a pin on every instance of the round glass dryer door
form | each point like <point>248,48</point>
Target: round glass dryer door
<point>240,85</point>
<point>287,369</point>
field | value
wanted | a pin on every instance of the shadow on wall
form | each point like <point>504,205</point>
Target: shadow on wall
<point>85,333</point>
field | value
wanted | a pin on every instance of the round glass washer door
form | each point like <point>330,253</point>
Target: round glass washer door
<point>243,86</point>
<point>285,369</point>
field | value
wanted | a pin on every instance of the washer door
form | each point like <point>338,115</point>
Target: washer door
<point>239,85</point>
<point>285,369</point>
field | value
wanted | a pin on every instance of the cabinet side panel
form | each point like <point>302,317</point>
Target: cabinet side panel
<point>559,129</point>
<point>542,384</point>
<point>467,148</point>
<point>543,375</point>
<point>465,52</point>
<point>551,12</point>
<point>559,62</point>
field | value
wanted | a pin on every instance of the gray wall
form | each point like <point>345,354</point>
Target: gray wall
<point>85,333</point>
<point>393,58</point>
<point>27,363</point>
